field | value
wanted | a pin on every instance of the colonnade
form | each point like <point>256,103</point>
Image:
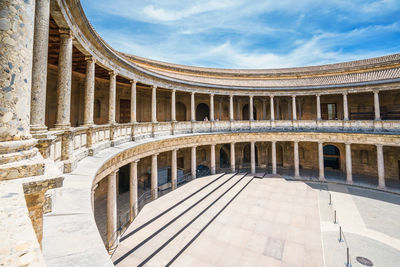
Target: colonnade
<point>133,184</point>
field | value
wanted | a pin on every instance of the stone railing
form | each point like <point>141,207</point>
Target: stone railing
<point>88,140</point>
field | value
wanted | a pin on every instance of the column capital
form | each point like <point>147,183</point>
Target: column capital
<point>154,86</point>
<point>112,73</point>
<point>65,32</point>
<point>134,82</point>
<point>347,143</point>
<point>251,96</point>
<point>293,96</point>
<point>296,142</point>
<point>233,142</point>
<point>375,91</point>
<point>321,142</point>
<point>271,96</point>
<point>173,90</point>
<point>378,145</point>
<point>345,93</point>
<point>175,149</point>
<point>90,59</point>
<point>155,154</point>
<point>194,146</point>
<point>318,94</point>
<point>136,161</point>
<point>231,96</point>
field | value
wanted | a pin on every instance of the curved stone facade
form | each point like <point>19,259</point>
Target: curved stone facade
<point>70,96</point>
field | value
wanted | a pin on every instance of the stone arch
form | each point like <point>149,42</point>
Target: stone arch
<point>202,111</point>
<point>331,157</point>
<point>180,111</point>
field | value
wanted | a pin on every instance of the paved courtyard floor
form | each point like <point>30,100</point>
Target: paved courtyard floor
<point>264,222</point>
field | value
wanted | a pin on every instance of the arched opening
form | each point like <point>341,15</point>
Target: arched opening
<point>224,161</point>
<point>247,156</point>
<point>246,113</point>
<point>331,157</point>
<point>279,155</point>
<point>180,110</point>
<point>202,111</point>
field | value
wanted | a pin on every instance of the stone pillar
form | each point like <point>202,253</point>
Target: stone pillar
<point>16,35</point>
<point>296,160</point>
<point>133,101</point>
<point>273,152</point>
<point>173,105</point>
<point>377,106</point>
<point>321,160</point>
<point>133,190</point>
<point>264,107</point>
<point>192,108</point>
<point>233,157</point>
<point>294,111</point>
<point>349,175</point>
<point>231,107</point>
<point>251,114</point>
<point>253,157</point>
<point>174,170</point>
<point>39,65</point>
<point>272,110</point>
<point>318,107</point>
<point>193,162</point>
<point>154,104</point>
<point>64,80</point>
<point>112,238</point>
<point>345,107</point>
<point>212,160</point>
<point>220,108</point>
<point>211,107</point>
<point>154,177</point>
<point>381,167</point>
<point>89,91</point>
<point>112,97</point>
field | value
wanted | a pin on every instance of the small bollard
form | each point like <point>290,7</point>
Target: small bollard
<point>334,218</point>
<point>330,199</point>
<point>348,258</point>
<point>340,233</point>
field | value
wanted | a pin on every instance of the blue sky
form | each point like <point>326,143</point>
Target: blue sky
<point>249,34</point>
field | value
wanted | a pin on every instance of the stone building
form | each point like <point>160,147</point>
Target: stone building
<point>136,128</point>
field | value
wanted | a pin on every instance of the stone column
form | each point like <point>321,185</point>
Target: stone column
<point>39,65</point>
<point>231,107</point>
<point>318,107</point>
<point>154,177</point>
<point>212,163</point>
<point>253,157</point>
<point>133,101</point>
<point>349,175</point>
<point>192,107</point>
<point>294,111</point>
<point>321,160</point>
<point>64,80</point>
<point>238,109</point>
<point>220,108</point>
<point>251,114</point>
<point>211,107</point>
<point>112,238</point>
<point>273,152</point>
<point>16,35</point>
<point>173,105</point>
<point>133,190</point>
<point>233,157</point>
<point>345,107</point>
<point>264,107</point>
<point>193,162</point>
<point>154,104</point>
<point>89,91</point>
<point>381,167</point>
<point>112,97</point>
<point>174,170</point>
<point>296,160</point>
<point>377,106</point>
<point>272,110</point>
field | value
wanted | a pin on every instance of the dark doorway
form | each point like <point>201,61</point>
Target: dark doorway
<point>331,157</point>
<point>180,111</point>
<point>124,111</point>
<point>123,179</point>
<point>202,111</point>
<point>224,161</point>
<point>246,113</point>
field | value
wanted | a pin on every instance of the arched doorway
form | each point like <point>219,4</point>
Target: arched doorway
<point>202,111</point>
<point>224,161</point>
<point>331,157</point>
<point>246,113</point>
<point>180,111</point>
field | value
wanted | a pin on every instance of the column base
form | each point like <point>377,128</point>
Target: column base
<point>322,179</point>
<point>62,126</point>
<point>38,129</point>
<point>349,182</point>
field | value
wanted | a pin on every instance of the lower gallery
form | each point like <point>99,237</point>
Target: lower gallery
<point>111,159</point>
